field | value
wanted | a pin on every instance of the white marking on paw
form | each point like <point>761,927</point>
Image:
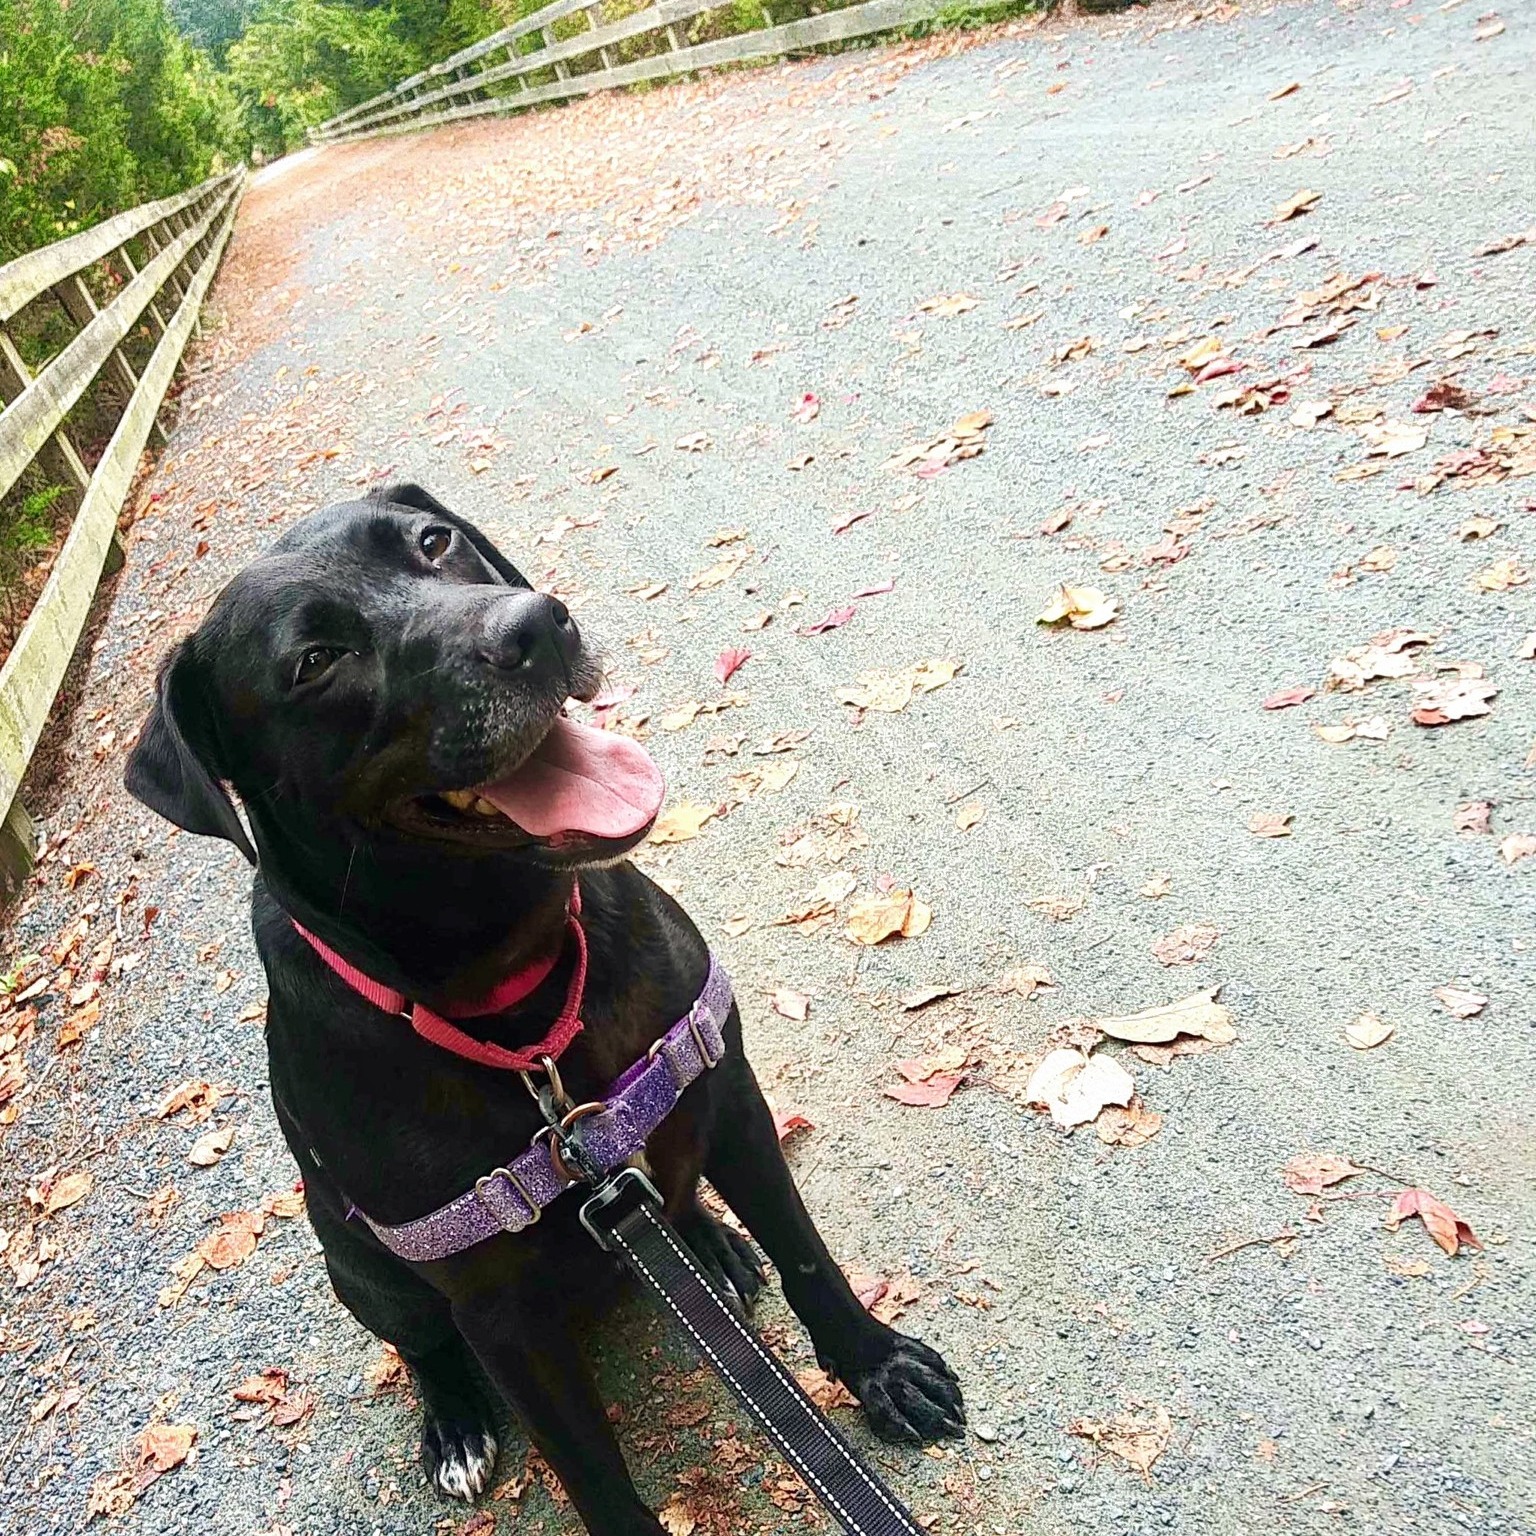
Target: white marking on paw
<point>465,1473</point>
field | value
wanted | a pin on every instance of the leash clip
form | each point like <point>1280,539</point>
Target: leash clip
<point>597,1215</point>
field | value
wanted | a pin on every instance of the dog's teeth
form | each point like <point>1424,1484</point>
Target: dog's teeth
<point>460,799</point>
<point>484,807</point>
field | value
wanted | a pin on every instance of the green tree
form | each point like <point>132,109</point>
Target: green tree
<point>301,61</point>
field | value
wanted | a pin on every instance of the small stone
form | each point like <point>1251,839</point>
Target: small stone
<point>987,1432</point>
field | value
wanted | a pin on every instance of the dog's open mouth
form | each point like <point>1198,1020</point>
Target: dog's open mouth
<point>579,788</point>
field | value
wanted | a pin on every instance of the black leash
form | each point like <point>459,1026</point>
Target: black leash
<point>625,1216</point>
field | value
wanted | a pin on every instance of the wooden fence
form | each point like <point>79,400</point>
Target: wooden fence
<point>178,243</point>
<point>461,86</point>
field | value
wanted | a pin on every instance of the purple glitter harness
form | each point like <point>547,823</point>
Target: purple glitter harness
<point>609,1133</point>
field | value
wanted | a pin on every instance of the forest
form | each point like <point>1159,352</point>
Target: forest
<point>106,103</point>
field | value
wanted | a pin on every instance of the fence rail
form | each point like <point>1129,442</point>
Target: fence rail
<point>180,240</point>
<point>458,87</point>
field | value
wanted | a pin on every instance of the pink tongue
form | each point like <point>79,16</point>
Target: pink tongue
<point>581,780</point>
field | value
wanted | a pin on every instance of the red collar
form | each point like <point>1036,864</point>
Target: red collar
<point>506,994</point>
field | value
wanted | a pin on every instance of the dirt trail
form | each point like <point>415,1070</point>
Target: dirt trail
<point>595,331</point>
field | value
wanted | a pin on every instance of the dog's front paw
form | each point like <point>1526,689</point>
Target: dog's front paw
<point>458,1456</point>
<point>911,1396</point>
<point>729,1260</point>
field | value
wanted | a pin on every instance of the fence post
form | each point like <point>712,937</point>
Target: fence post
<point>18,848</point>
<point>594,21</point>
<point>548,34</point>
<point>58,456</point>
<point>80,306</point>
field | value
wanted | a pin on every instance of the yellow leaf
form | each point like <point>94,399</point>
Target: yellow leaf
<point>1082,607</point>
<point>682,823</point>
<point>884,916</point>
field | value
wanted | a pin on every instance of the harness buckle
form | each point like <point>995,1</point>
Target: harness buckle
<point>506,1173</point>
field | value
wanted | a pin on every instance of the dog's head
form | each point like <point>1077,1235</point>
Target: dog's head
<point>384,678</point>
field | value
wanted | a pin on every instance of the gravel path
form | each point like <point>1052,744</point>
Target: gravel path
<point>528,316</point>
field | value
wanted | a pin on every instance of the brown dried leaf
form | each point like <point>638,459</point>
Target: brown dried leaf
<point>1187,944</point>
<point>1199,1015</point>
<point>1271,823</point>
<point>1136,1439</point>
<point>682,822</point>
<point>1133,1126</point>
<point>885,915</point>
<point>1310,1173</point>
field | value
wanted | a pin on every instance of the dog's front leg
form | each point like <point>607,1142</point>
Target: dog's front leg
<point>907,1391</point>
<point>529,1351</point>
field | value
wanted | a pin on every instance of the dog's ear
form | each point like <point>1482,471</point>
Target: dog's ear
<point>168,773</point>
<point>424,501</point>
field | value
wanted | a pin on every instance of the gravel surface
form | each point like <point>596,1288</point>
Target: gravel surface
<point>507,313</point>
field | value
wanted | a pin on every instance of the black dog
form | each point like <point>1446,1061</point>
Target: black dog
<point>359,686</point>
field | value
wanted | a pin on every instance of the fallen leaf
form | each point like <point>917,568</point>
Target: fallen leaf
<point>891,692</point>
<point>161,1447</point>
<point>1442,1223</point>
<point>921,998</point>
<point>827,1392</point>
<point>729,662</point>
<point>787,1122</point>
<point>789,1004</point>
<point>1075,1087</point>
<point>1478,528</point>
<point>693,442</point>
<point>1137,1440</point>
<point>233,1242</point>
<point>1283,91</point>
<point>1503,575</point>
<point>69,1189</point>
<point>1199,1015</point>
<point>1368,1031</point>
<point>1026,980</point>
<point>947,305</point>
<point>1440,700</point>
<point>1310,412</point>
<point>211,1146</point>
<point>1289,698</point>
<point>1188,943</point>
<point>1158,885</point>
<point>1270,823</point>
<point>885,915</point>
<point>1310,1173</point>
<point>931,1093</point>
<point>1082,607</point>
<point>682,823</point>
<point>1517,846</point>
<point>969,815</point>
<point>1491,28</point>
<point>1459,1002</point>
<point>1302,202</point>
<point>1392,439</point>
<point>806,409</point>
<point>1133,1126</point>
<point>834,620</point>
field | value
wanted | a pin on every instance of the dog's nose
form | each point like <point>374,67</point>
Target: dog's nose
<point>524,629</point>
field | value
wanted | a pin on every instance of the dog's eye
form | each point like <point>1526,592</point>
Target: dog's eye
<point>436,542</point>
<point>315,663</point>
